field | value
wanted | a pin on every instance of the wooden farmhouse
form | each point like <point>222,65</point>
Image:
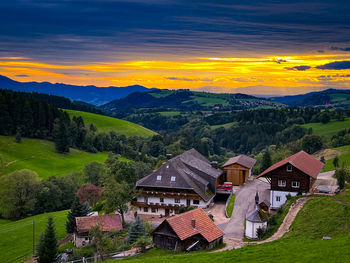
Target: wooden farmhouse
<point>238,169</point>
<point>291,176</point>
<point>84,224</point>
<point>186,180</point>
<point>192,230</point>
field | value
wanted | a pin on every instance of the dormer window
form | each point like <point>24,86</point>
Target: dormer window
<point>289,168</point>
<point>159,177</point>
<point>173,179</point>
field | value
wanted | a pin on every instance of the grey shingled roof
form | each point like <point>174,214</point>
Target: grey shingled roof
<point>189,169</point>
<point>257,216</point>
<point>243,160</point>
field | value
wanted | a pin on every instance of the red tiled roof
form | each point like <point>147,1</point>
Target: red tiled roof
<point>243,160</point>
<point>182,225</point>
<point>106,222</point>
<point>302,161</point>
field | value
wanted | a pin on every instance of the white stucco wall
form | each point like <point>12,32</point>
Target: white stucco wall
<point>283,198</point>
<point>251,228</point>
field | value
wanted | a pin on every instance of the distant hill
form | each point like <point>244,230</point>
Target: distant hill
<point>107,124</point>
<point>90,94</point>
<point>330,98</point>
<point>187,100</point>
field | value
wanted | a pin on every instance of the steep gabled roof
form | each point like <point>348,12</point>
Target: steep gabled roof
<point>243,160</point>
<point>191,171</point>
<point>302,161</point>
<point>182,225</point>
<point>105,222</point>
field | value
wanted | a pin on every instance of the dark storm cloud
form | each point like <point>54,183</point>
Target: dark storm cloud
<point>78,30</point>
<point>299,68</point>
<point>337,65</point>
<point>22,75</point>
<point>340,48</point>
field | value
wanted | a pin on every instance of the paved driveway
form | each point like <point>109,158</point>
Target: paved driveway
<point>245,203</point>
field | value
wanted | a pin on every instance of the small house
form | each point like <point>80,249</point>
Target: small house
<point>84,224</point>
<point>192,230</point>
<point>237,169</point>
<point>255,220</point>
<point>291,176</point>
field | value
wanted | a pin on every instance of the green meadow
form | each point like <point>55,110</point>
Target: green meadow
<point>41,157</point>
<point>344,157</point>
<point>16,237</point>
<point>329,129</point>
<point>319,217</point>
<point>107,124</point>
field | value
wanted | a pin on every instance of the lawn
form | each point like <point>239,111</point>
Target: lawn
<point>344,157</point>
<point>107,124</point>
<point>329,129</point>
<point>41,157</point>
<point>344,195</point>
<point>230,205</point>
<point>16,237</point>
<point>303,243</point>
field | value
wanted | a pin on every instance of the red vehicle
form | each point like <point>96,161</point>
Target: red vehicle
<point>227,186</point>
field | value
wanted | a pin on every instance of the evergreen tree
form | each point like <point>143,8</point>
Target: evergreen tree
<point>18,135</point>
<point>341,175</point>
<point>336,162</point>
<point>323,159</point>
<point>77,210</point>
<point>137,229</point>
<point>47,250</point>
<point>265,161</point>
<point>60,136</point>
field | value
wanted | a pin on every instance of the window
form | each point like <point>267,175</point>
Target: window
<point>159,177</point>
<point>196,202</point>
<point>87,238</point>
<point>295,184</point>
<point>173,179</point>
<point>161,200</point>
<point>278,198</point>
<point>146,199</point>
<point>177,201</point>
<point>153,210</point>
<point>289,168</point>
<point>145,209</point>
<point>282,183</point>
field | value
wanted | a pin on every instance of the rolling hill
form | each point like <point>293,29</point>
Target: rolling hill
<point>322,216</point>
<point>16,237</point>
<point>187,100</point>
<point>90,94</point>
<point>329,129</point>
<point>41,157</point>
<point>107,124</point>
<point>330,98</point>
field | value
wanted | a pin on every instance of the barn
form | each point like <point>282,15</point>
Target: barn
<point>238,169</point>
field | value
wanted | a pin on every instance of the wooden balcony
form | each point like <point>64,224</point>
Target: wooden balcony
<point>152,205</point>
<point>171,195</point>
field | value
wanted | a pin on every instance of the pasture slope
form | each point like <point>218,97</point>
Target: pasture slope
<point>329,129</point>
<point>107,124</point>
<point>322,216</point>
<point>40,156</point>
<point>16,237</point>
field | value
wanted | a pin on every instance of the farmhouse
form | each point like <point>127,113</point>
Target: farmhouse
<point>192,230</point>
<point>186,180</point>
<point>238,169</point>
<point>84,224</point>
<point>291,176</point>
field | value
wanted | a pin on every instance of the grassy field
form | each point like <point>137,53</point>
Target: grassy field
<point>107,124</point>
<point>226,125</point>
<point>344,157</point>
<point>303,243</point>
<point>230,205</point>
<point>329,129</point>
<point>16,237</point>
<point>41,157</point>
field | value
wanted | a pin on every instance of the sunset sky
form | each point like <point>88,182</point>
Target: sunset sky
<point>254,47</point>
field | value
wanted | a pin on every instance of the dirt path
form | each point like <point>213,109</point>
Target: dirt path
<point>284,227</point>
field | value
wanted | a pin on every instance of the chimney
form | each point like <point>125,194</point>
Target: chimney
<point>214,164</point>
<point>193,223</point>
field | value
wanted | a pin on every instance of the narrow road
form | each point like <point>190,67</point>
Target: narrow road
<point>245,203</point>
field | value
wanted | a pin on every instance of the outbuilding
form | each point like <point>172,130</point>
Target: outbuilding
<point>255,220</point>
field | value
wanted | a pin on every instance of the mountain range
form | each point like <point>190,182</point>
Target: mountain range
<point>90,94</point>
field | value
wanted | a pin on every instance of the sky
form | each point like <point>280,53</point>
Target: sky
<point>254,47</point>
